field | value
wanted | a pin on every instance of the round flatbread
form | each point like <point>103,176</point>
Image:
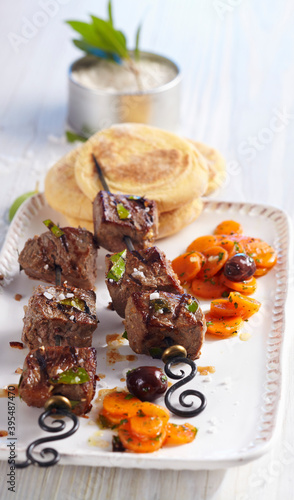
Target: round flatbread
<point>175,220</point>
<point>62,192</point>
<point>84,224</point>
<point>216,166</point>
<point>145,161</point>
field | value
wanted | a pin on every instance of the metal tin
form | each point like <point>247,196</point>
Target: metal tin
<point>92,110</point>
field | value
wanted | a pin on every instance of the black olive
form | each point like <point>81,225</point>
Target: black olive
<point>146,382</point>
<point>240,267</point>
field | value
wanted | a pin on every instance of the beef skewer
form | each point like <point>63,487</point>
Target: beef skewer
<point>144,330</point>
<point>62,379</point>
<point>71,249</point>
<point>120,218</point>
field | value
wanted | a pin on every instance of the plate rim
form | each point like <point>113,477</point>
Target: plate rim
<point>269,433</point>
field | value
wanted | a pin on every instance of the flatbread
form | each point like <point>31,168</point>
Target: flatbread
<point>175,220</point>
<point>84,224</point>
<point>145,161</point>
<point>216,165</point>
<point>62,192</point>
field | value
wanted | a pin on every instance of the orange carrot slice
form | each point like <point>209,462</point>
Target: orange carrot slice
<point>235,305</point>
<point>215,257</point>
<point>202,243</point>
<point>139,444</point>
<point>121,404</point>
<point>179,434</point>
<point>212,288</point>
<point>263,254</point>
<point>224,327</point>
<point>246,287</point>
<point>229,227</point>
<point>146,426</point>
<point>188,265</point>
<point>261,271</point>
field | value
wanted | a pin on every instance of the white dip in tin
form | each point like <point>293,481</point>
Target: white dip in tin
<point>110,77</point>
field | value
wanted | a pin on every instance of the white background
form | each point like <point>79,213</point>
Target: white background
<point>237,63</point>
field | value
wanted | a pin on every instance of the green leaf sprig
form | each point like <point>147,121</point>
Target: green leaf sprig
<point>101,39</point>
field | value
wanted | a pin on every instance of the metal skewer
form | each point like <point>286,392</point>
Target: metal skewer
<point>127,240</point>
<point>173,355</point>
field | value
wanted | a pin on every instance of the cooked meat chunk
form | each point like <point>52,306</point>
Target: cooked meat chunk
<point>145,270</point>
<point>69,371</point>
<point>116,216</point>
<point>155,321</point>
<point>75,252</point>
<point>59,315</point>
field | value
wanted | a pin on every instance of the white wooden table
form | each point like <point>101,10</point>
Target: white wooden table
<point>236,57</point>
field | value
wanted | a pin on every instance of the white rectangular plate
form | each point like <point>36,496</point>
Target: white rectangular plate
<point>244,393</point>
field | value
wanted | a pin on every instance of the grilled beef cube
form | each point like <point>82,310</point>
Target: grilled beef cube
<point>75,252</point>
<point>145,270</point>
<point>59,315</point>
<point>116,216</point>
<point>155,321</point>
<point>68,371</point>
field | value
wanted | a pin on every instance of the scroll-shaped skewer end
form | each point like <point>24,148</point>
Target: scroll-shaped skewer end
<point>100,174</point>
<point>174,355</point>
<point>56,406</point>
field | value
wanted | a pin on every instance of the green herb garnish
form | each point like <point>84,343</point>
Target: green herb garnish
<point>73,137</point>
<point>225,294</point>
<point>71,377</point>
<point>75,302</point>
<point>156,352</point>
<point>129,396</point>
<point>208,323</point>
<point>192,307</point>
<point>18,202</point>
<point>160,305</point>
<point>74,403</point>
<point>53,228</point>
<point>133,197</point>
<point>119,266</point>
<point>122,211</point>
<point>220,256</point>
<point>125,335</point>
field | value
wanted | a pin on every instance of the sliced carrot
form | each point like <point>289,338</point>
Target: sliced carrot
<point>139,444</point>
<point>230,243</point>
<point>215,257</point>
<point>263,254</point>
<point>152,410</point>
<point>202,243</point>
<point>235,305</point>
<point>109,419</point>
<point>188,265</point>
<point>121,404</point>
<point>246,287</point>
<point>211,288</point>
<point>261,271</point>
<point>146,426</point>
<point>179,434</point>
<point>228,227</point>
<point>224,327</point>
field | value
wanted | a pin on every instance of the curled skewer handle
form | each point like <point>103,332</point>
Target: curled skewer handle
<point>191,411</point>
<point>57,425</point>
